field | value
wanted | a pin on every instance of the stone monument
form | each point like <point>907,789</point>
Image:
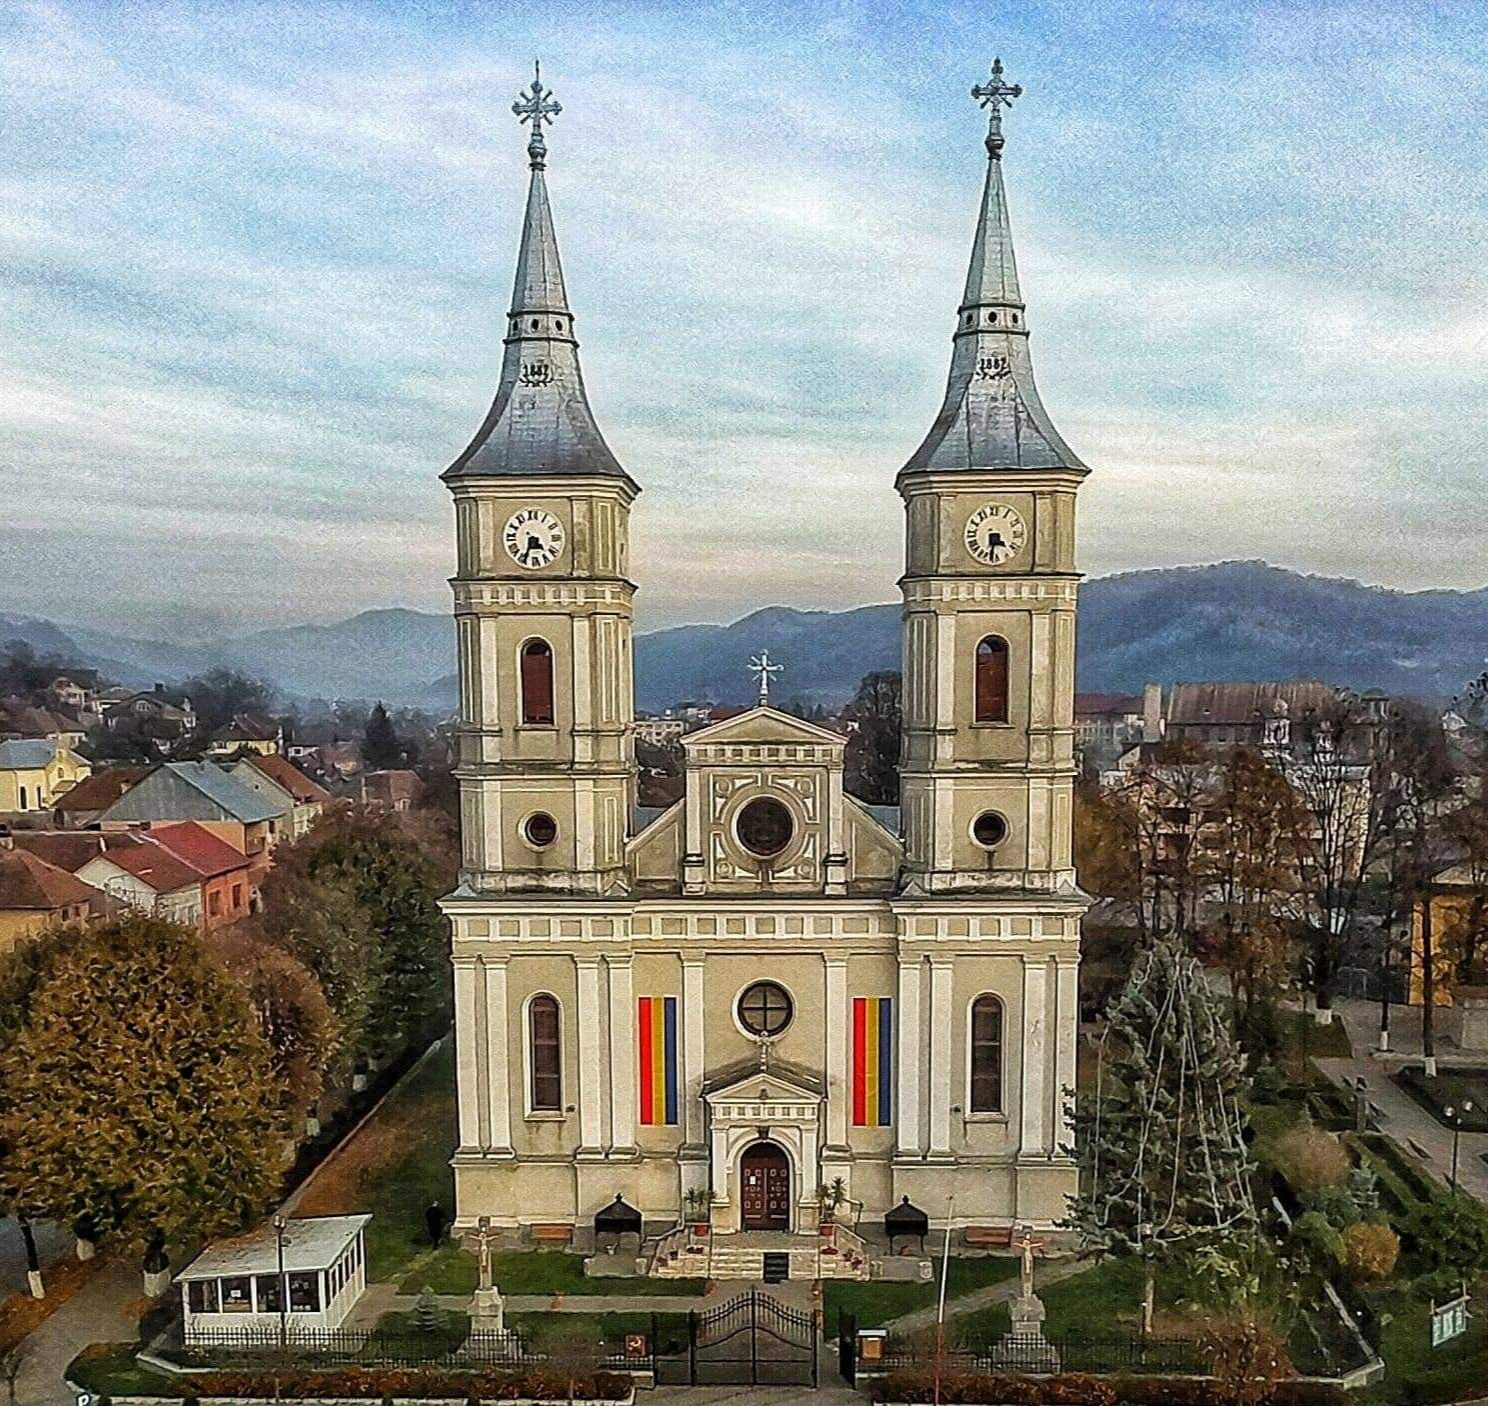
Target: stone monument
<point>1025,1348</point>
<point>487,1308</point>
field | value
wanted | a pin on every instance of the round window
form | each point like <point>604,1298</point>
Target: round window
<point>765,827</point>
<point>989,829</point>
<point>765,1008</point>
<point>540,830</point>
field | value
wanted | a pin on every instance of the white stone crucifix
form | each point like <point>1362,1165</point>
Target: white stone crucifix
<point>762,665</point>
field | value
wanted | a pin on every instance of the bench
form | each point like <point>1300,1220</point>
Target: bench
<point>998,1237</point>
<point>552,1234</point>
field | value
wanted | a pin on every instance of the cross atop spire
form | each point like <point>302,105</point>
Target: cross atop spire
<point>996,95</point>
<point>765,668</point>
<point>536,106</point>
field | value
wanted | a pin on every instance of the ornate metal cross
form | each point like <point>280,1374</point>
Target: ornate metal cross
<point>762,666</point>
<point>536,106</point>
<point>996,95</point>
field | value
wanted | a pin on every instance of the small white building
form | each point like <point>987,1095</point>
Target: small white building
<point>236,1284</point>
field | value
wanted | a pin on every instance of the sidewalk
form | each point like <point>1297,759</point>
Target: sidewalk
<point>1400,1116</point>
<point>106,1309</point>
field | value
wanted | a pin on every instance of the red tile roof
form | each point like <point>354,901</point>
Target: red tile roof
<point>100,790</point>
<point>67,849</point>
<point>194,844</point>
<point>287,775</point>
<point>153,864</point>
<point>1088,705</point>
<point>29,883</point>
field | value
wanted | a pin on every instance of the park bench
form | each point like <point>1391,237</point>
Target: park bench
<point>999,1237</point>
<point>552,1234</point>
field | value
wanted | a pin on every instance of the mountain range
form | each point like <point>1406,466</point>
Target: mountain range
<point>1227,621</point>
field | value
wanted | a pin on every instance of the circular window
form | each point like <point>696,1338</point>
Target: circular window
<point>765,1008</point>
<point>989,829</point>
<point>540,830</point>
<point>765,827</point>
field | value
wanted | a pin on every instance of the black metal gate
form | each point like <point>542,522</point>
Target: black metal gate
<point>847,1347</point>
<point>751,1340</point>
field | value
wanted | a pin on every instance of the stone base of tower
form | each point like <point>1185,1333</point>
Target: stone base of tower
<point>1034,1193</point>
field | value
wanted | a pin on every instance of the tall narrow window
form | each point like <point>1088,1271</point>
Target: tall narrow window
<point>545,1056</point>
<point>986,1055</point>
<point>537,682</point>
<point>992,680</point>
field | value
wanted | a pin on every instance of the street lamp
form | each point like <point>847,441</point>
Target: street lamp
<point>280,1225</point>
<point>1455,1117</point>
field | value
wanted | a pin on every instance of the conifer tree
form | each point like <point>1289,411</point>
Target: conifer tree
<point>1164,1166</point>
<point>381,748</point>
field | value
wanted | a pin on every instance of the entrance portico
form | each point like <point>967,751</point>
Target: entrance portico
<point>764,1134</point>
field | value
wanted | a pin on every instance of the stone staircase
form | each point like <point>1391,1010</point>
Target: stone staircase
<point>681,1255</point>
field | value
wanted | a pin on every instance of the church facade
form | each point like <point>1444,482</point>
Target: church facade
<point>768,987</point>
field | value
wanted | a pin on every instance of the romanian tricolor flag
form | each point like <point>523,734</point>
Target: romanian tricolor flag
<point>873,1061</point>
<point>657,1032</point>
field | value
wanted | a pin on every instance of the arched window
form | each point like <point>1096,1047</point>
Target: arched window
<point>537,682</point>
<point>544,1055</point>
<point>992,680</point>
<point>986,1055</point>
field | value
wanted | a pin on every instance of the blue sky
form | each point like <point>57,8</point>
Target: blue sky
<point>254,261</point>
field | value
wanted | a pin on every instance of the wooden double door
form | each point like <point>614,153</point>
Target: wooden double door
<point>764,1195</point>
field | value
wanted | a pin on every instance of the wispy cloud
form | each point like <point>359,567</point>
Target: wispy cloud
<point>255,261</point>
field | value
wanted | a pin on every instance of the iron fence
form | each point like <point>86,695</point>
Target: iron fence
<point>1094,1354</point>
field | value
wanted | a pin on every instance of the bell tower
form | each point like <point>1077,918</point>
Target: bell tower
<point>989,596</point>
<point>542,599</point>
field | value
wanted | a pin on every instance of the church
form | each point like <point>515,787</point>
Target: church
<point>719,1009</point>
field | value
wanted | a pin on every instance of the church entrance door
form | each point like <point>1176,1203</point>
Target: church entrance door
<point>764,1174</point>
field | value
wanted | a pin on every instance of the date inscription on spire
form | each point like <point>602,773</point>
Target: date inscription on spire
<point>995,95</point>
<point>536,106</point>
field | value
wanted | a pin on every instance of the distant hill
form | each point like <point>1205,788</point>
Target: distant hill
<point>1233,620</point>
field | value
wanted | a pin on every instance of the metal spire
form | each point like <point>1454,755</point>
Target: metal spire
<point>995,95</point>
<point>992,417</point>
<point>536,106</point>
<point>540,422</point>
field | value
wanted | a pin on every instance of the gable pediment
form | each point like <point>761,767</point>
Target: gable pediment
<point>748,1083</point>
<point>763,727</point>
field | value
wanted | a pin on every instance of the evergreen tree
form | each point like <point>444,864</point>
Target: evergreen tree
<point>871,760</point>
<point>381,748</point>
<point>1164,1165</point>
<point>137,1094</point>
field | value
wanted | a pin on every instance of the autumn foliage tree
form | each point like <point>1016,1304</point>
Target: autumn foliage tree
<point>137,1094</point>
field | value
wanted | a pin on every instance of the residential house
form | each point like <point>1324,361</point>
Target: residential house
<point>36,895</point>
<point>340,761</point>
<point>203,791</point>
<point>665,731</point>
<point>151,717</point>
<point>137,870</point>
<point>229,888</point>
<point>1106,724</point>
<point>1218,715</point>
<point>247,732</point>
<point>86,802</point>
<point>396,790</point>
<point>35,772</point>
<point>280,780</point>
<point>77,690</point>
<point>20,718</point>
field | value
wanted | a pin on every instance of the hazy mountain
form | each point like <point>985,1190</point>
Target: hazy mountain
<point>1234,620</point>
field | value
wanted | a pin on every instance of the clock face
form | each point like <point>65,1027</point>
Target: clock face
<point>995,533</point>
<point>533,538</point>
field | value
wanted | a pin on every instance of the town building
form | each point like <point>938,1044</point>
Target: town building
<point>86,802</point>
<point>247,733</point>
<point>151,718</point>
<point>229,880</point>
<point>35,773</point>
<point>35,895</point>
<point>135,870</point>
<point>660,732</point>
<point>279,780</point>
<point>766,987</point>
<point>202,791</point>
<point>397,790</point>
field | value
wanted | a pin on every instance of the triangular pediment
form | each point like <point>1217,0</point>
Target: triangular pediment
<point>772,1085</point>
<point>763,725</point>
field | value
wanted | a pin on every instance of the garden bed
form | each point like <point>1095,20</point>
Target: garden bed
<point>1452,1088</point>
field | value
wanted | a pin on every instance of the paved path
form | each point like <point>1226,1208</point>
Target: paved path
<point>1051,1273</point>
<point>1400,1116</point>
<point>105,1309</point>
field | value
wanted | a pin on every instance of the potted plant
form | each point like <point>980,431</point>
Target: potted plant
<point>698,1205</point>
<point>830,1198</point>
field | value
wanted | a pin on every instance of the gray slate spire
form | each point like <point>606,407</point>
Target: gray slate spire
<point>992,417</point>
<point>540,421</point>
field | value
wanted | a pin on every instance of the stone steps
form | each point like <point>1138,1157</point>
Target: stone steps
<point>747,1262</point>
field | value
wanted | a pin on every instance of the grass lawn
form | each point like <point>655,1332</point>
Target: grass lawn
<point>877,1301</point>
<point>395,1167</point>
<point>452,1330</point>
<point>549,1331</point>
<point>1416,1371</point>
<point>451,1270</point>
<point>1106,1298</point>
<point>110,1369</point>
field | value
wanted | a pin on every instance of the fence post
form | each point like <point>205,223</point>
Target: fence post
<point>692,1337</point>
<point>816,1323</point>
<point>753,1345</point>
